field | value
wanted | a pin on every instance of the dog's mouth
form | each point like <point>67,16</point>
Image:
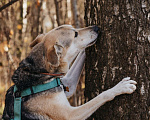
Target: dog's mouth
<point>92,43</point>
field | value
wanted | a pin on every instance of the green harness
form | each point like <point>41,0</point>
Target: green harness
<point>34,89</point>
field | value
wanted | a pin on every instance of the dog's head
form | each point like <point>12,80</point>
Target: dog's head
<point>62,45</point>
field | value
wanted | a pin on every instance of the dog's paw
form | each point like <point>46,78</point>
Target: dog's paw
<point>126,86</point>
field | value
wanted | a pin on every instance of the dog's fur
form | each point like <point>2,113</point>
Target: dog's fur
<point>54,52</point>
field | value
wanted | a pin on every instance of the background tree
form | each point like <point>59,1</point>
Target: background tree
<point>74,13</point>
<point>122,49</point>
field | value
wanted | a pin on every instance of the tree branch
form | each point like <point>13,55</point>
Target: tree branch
<point>8,4</point>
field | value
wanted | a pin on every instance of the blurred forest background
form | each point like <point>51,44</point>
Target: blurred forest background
<point>123,48</point>
<point>21,22</point>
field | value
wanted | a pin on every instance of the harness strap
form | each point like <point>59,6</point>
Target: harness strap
<point>17,107</point>
<point>34,89</point>
<point>42,87</point>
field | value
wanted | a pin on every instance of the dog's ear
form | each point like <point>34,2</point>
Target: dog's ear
<point>37,40</point>
<point>54,54</point>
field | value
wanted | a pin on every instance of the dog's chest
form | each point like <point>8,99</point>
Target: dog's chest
<point>49,105</point>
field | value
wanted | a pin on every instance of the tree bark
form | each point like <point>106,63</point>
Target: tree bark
<point>74,13</point>
<point>20,21</point>
<point>122,49</point>
<point>57,12</point>
<point>35,18</point>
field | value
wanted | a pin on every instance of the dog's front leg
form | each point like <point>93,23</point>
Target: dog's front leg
<point>126,86</point>
<point>71,78</point>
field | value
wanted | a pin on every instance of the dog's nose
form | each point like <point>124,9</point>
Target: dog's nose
<point>96,29</point>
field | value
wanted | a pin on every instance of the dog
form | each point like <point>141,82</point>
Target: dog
<point>54,52</point>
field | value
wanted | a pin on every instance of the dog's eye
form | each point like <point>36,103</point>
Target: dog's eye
<point>76,34</point>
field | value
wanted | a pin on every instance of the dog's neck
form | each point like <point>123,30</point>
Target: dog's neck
<point>29,71</point>
<point>28,75</point>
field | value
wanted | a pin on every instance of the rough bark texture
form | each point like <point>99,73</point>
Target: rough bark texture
<point>122,49</point>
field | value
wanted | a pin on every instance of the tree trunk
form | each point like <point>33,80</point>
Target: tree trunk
<point>57,12</point>
<point>74,13</point>
<point>20,20</point>
<point>122,49</point>
<point>35,18</point>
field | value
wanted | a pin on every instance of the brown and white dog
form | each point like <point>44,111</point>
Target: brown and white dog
<point>54,52</point>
